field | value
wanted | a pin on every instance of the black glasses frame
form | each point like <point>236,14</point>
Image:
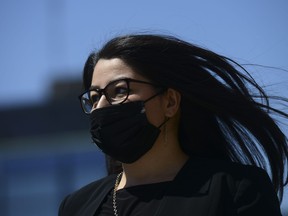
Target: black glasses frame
<point>104,92</point>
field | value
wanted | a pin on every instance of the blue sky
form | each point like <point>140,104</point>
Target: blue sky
<point>50,39</point>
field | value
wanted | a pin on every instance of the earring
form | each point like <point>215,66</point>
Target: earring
<point>165,131</point>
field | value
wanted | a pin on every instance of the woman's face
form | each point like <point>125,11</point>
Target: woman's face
<point>108,70</point>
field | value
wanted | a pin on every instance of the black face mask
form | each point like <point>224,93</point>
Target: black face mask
<point>123,131</point>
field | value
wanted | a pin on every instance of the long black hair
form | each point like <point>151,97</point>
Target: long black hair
<point>225,114</point>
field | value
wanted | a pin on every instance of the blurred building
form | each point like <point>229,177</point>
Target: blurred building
<point>45,153</point>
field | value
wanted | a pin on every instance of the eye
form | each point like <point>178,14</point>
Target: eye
<point>117,91</point>
<point>120,92</point>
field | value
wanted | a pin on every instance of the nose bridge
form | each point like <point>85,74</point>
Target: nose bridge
<point>103,102</point>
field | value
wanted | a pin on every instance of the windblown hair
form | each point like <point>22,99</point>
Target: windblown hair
<point>225,114</point>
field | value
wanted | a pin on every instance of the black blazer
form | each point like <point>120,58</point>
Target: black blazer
<point>203,187</point>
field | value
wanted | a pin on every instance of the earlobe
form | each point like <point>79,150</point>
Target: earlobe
<point>173,99</point>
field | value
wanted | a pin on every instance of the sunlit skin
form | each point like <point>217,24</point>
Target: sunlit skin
<point>166,158</point>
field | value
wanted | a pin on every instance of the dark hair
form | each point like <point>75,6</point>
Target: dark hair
<point>225,114</point>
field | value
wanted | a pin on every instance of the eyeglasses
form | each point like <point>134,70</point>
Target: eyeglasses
<point>116,92</point>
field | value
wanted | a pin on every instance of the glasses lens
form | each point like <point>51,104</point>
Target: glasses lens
<point>88,100</point>
<point>86,103</point>
<point>117,91</point>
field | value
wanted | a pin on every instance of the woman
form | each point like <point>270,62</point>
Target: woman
<point>188,132</point>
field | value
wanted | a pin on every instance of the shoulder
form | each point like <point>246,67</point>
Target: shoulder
<point>236,171</point>
<point>82,198</point>
<point>254,192</point>
<point>248,187</point>
<point>207,174</point>
<point>239,176</point>
<point>224,169</point>
<point>235,175</point>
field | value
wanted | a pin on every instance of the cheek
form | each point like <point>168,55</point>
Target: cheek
<point>155,113</point>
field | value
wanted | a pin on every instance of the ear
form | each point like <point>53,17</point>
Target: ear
<point>172,102</point>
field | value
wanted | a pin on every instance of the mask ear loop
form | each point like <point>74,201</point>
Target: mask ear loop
<point>155,95</point>
<point>166,119</point>
<point>150,98</point>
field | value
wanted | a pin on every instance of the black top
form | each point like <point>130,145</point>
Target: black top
<point>139,200</point>
<point>203,187</point>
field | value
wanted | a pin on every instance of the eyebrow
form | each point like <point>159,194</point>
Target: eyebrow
<point>93,87</point>
<point>118,78</point>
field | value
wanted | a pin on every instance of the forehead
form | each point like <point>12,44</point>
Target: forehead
<point>107,70</point>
